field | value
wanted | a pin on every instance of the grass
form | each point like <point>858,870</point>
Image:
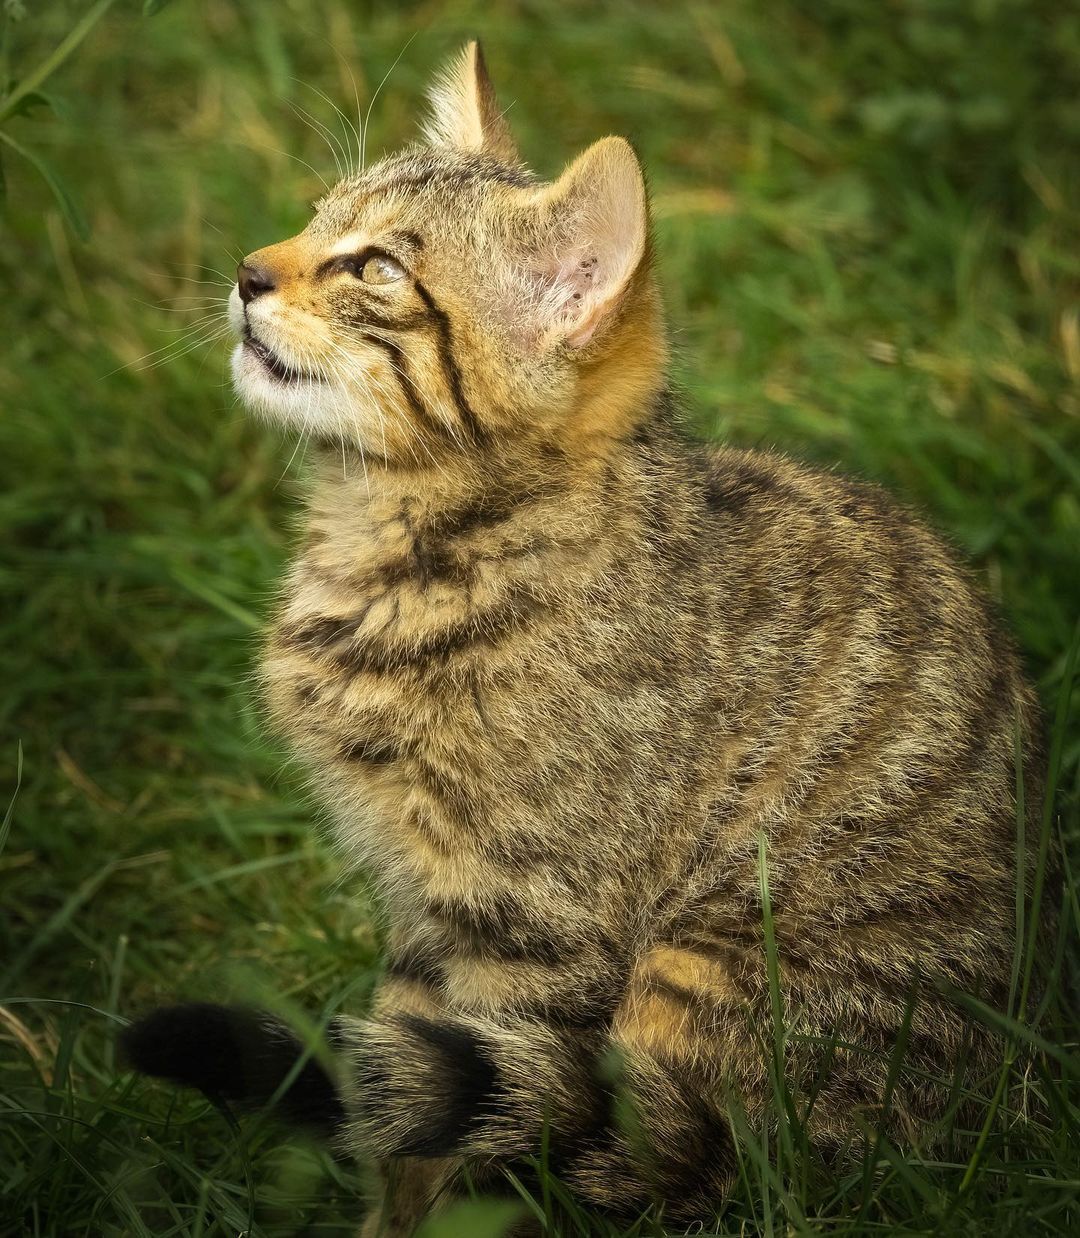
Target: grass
<point>868,225</point>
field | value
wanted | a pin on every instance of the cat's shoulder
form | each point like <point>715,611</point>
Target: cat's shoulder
<point>740,480</point>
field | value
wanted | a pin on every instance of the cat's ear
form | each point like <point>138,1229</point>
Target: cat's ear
<point>595,230</point>
<point>465,114</point>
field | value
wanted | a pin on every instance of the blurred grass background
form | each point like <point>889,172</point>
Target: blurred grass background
<point>869,227</point>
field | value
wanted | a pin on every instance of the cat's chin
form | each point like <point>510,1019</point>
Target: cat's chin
<point>319,410</point>
<point>301,401</point>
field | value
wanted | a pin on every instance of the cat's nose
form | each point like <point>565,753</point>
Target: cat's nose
<point>253,281</point>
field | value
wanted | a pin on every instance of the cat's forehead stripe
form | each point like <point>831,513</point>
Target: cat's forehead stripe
<point>350,243</point>
<point>358,191</point>
<point>358,239</point>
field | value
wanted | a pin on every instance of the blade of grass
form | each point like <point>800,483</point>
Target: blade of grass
<point>37,77</point>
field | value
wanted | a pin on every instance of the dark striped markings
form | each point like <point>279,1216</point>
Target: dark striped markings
<point>433,317</point>
<point>339,639</point>
<point>468,1085</point>
<point>503,929</point>
<point>415,965</point>
<point>367,751</point>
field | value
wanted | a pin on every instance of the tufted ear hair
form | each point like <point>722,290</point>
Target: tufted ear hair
<point>465,114</point>
<point>594,232</point>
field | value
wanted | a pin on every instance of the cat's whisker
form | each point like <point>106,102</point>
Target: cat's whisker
<point>325,133</point>
<point>347,124</point>
<point>203,341</point>
<point>410,431</point>
<point>378,91</point>
<point>227,280</point>
<point>359,119</point>
<point>342,378</point>
<point>301,440</point>
<point>449,426</point>
<point>275,150</point>
<point>198,304</point>
<point>202,282</point>
<point>204,333</point>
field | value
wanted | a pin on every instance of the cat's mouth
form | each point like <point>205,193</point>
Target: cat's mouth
<point>273,364</point>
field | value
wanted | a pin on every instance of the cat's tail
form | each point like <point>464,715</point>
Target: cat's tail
<point>237,1056</point>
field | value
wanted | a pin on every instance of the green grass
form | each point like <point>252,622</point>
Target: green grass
<point>868,225</point>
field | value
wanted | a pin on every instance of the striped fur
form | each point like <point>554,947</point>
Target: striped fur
<point>555,669</point>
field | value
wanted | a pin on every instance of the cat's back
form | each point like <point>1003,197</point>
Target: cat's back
<point>815,569</point>
<point>869,706</point>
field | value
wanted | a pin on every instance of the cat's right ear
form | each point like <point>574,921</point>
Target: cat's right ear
<point>465,114</point>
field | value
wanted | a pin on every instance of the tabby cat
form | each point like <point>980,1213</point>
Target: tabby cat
<point>569,683</point>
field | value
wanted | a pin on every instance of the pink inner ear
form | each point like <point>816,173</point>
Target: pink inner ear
<point>574,284</point>
<point>586,239</point>
<point>572,293</point>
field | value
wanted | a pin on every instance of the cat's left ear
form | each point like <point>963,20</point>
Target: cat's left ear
<point>465,113</point>
<point>594,225</point>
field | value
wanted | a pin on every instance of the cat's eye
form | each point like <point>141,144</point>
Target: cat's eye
<point>379,269</point>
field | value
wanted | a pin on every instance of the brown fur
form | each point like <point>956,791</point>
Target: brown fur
<point>555,670</point>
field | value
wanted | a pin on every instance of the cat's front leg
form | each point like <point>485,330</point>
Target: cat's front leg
<point>513,1051</point>
<point>409,1187</point>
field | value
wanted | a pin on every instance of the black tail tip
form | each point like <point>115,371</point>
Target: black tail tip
<point>195,1045</point>
<point>234,1054</point>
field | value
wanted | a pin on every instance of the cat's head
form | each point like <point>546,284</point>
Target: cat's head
<point>445,296</point>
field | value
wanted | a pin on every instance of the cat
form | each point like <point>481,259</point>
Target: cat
<point>578,692</point>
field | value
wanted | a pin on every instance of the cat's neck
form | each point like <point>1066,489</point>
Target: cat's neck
<point>363,496</point>
<point>352,497</point>
<point>621,391</point>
